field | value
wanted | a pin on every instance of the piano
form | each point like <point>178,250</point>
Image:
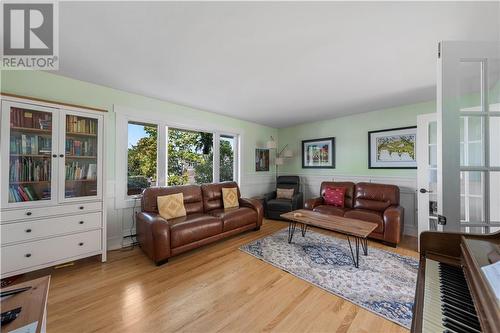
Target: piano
<point>453,294</point>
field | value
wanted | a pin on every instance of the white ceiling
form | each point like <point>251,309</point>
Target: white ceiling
<point>277,64</point>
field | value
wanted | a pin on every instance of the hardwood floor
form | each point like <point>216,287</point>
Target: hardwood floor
<point>215,288</point>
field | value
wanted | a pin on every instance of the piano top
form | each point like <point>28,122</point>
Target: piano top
<point>480,248</point>
<point>475,250</point>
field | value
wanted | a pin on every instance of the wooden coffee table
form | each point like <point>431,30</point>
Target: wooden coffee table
<point>357,229</point>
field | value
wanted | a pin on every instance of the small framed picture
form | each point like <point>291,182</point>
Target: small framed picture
<point>261,159</point>
<point>394,148</point>
<point>318,153</point>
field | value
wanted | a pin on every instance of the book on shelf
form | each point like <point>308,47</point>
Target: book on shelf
<point>85,147</point>
<point>75,124</point>
<point>81,171</point>
<point>30,144</point>
<point>26,169</point>
<point>30,119</point>
<point>20,193</point>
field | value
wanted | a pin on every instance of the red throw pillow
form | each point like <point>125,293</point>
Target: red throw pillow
<point>334,196</point>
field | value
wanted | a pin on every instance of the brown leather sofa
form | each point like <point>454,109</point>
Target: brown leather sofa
<point>377,203</point>
<point>206,220</point>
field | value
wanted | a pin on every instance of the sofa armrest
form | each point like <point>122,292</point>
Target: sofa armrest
<point>393,224</point>
<point>297,201</point>
<point>153,235</point>
<point>312,203</point>
<point>255,205</point>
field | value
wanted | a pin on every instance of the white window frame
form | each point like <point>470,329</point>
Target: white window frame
<point>124,115</point>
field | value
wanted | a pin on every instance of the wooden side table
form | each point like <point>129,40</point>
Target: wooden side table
<point>33,303</point>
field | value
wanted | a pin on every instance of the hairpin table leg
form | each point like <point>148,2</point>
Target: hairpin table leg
<point>291,230</point>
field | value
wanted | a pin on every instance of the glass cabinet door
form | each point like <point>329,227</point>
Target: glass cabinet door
<point>31,143</point>
<point>81,157</point>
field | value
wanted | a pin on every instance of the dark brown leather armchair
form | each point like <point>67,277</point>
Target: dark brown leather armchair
<point>206,220</point>
<point>377,203</point>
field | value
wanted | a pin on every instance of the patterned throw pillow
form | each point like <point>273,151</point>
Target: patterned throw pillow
<point>230,197</point>
<point>334,196</point>
<point>284,193</point>
<point>171,206</point>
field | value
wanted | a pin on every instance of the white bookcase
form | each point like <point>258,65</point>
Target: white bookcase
<point>52,206</point>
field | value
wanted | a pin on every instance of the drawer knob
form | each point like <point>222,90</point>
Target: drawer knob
<point>28,213</point>
<point>80,244</point>
<point>61,155</point>
<point>81,207</point>
<point>27,255</point>
<point>81,222</point>
<point>54,155</point>
<point>28,230</point>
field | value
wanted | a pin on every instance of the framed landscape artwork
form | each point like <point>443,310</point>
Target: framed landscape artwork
<point>318,153</point>
<point>261,159</point>
<point>393,148</point>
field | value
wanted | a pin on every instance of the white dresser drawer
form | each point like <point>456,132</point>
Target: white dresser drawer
<point>27,213</point>
<point>28,230</point>
<point>26,255</point>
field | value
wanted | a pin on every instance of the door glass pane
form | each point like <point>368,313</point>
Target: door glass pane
<point>142,156</point>
<point>30,158</point>
<point>190,157</point>
<point>470,86</point>
<point>433,144</point>
<point>81,157</point>
<point>433,191</point>
<point>472,196</point>
<point>495,196</point>
<point>494,85</point>
<point>227,158</point>
<point>472,141</point>
<point>433,132</point>
<point>494,141</point>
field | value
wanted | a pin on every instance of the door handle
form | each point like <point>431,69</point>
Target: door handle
<point>423,190</point>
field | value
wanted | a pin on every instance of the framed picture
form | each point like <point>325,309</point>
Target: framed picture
<point>394,148</point>
<point>261,159</point>
<point>318,153</point>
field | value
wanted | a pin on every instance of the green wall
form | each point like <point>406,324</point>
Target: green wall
<point>351,140</point>
<point>351,132</point>
<point>62,89</point>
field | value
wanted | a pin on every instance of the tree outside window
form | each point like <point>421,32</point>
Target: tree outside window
<point>142,157</point>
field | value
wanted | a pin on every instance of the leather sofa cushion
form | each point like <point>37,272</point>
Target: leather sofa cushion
<point>212,195</point>
<point>375,196</point>
<point>193,201</point>
<point>190,228</point>
<point>349,191</point>
<point>234,218</point>
<point>330,210</point>
<point>282,205</point>
<point>367,215</point>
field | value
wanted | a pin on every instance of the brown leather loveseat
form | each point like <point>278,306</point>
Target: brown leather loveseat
<point>206,220</point>
<point>377,203</point>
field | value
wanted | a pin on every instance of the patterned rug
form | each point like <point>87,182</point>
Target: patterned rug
<point>384,283</point>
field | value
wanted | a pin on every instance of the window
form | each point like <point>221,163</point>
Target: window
<point>152,152</point>
<point>190,157</point>
<point>227,151</point>
<point>142,157</point>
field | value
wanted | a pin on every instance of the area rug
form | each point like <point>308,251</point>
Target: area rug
<point>384,283</point>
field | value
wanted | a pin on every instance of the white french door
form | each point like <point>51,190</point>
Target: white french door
<point>427,172</point>
<point>468,119</point>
